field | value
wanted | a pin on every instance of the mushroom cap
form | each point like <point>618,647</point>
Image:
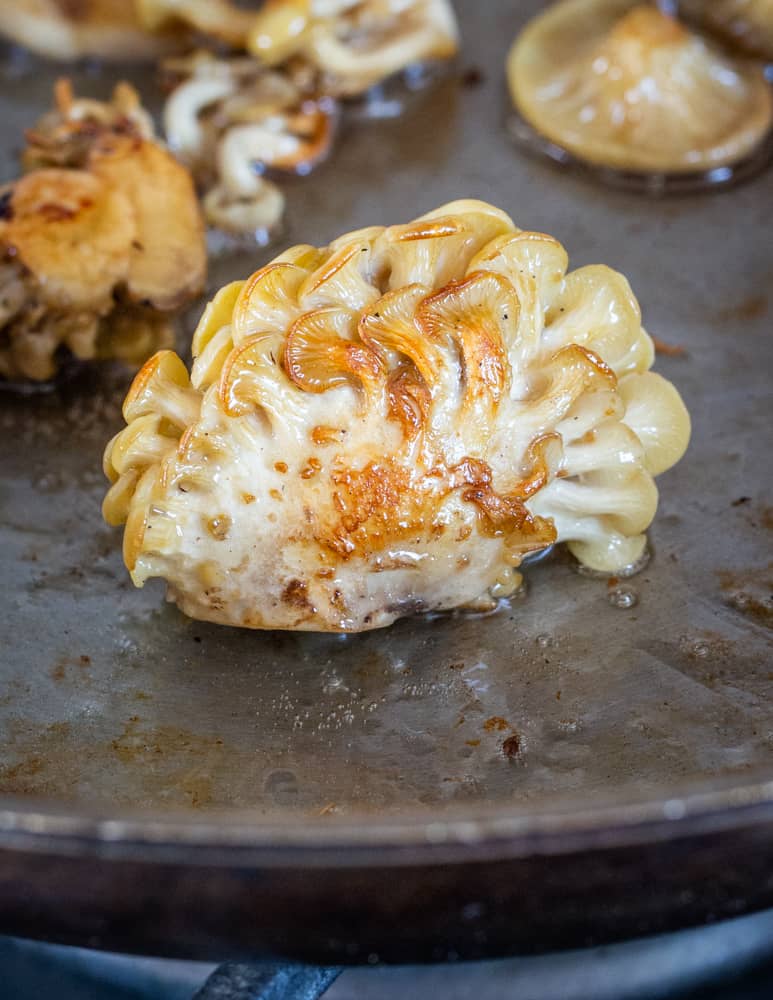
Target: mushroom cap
<point>624,85</point>
<point>72,231</point>
<point>168,255</point>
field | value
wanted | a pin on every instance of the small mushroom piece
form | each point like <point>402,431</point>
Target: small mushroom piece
<point>256,211</point>
<point>231,120</point>
<point>101,240</point>
<point>114,141</point>
<point>627,86</point>
<point>352,44</point>
<point>167,266</point>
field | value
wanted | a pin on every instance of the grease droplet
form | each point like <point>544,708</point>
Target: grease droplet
<point>623,597</point>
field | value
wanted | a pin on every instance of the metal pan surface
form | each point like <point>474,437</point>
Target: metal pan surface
<point>565,770</point>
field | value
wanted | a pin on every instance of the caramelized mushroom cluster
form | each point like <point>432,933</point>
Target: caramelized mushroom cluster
<point>389,424</point>
<point>99,242</point>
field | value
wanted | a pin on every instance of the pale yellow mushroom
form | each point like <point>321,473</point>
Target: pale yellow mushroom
<point>624,85</point>
<point>354,45</point>
<point>390,424</point>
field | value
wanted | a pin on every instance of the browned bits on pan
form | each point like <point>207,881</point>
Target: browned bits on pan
<point>496,724</point>
<point>753,307</point>
<point>472,77</point>
<point>749,592</point>
<point>668,350</point>
<point>512,746</point>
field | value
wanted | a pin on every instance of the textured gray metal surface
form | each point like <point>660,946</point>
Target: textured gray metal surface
<point>110,700</point>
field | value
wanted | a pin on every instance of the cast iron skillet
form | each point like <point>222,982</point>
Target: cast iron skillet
<point>567,770</point>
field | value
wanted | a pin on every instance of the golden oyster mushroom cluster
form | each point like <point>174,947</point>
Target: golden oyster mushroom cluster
<point>389,424</point>
<point>232,118</point>
<point>624,85</point>
<point>99,242</point>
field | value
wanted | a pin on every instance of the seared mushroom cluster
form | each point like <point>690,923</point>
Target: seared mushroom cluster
<point>389,424</point>
<point>624,85</point>
<point>100,241</point>
<point>233,119</point>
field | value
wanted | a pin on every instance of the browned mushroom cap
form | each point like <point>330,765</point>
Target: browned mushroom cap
<point>73,232</point>
<point>168,256</point>
<point>624,85</point>
<point>113,142</point>
<point>66,31</point>
<point>747,24</point>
